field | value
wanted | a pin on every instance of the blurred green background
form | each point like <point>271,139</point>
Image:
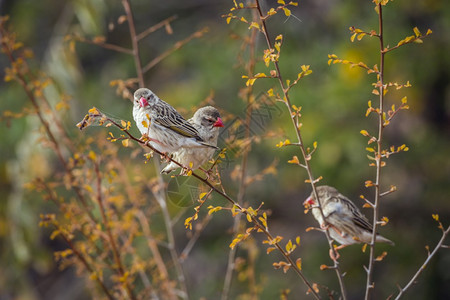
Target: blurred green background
<point>334,100</point>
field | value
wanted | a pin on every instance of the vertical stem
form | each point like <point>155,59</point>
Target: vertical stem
<point>161,199</point>
<point>112,242</point>
<point>302,149</point>
<point>134,41</point>
<point>160,194</point>
<point>378,159</point>
<point>242,186</point>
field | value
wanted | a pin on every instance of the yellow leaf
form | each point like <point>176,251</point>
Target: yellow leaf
<point>254,25</point>
<point>250,82</point>
<point>380,258</point>
<point>249,218</point>
<point>123,123</point>
<point>435,217</point>
<point>297,240</point>
<point>214,209</point>
<point>271,12</point>
<point>94,111</point>
<point>364,132</point>
<point>416,31</point>
<point>287,12</point>
<point>92,155</point>
<point>294,160</point>
<point>202,195</point>
<point>270,249</point>
<point>125,142</point>
<point>298,263</point>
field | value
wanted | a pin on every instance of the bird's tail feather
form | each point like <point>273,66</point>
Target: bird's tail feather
<point>382,239</point>
<point>208,145</point>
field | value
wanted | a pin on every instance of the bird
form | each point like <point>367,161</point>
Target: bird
<point>166,130</point>
<point>207,121</point>
<point>346,224</point>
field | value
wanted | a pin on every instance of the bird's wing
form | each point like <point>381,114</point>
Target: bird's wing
<point>357,217</point>
<point>165,115</point>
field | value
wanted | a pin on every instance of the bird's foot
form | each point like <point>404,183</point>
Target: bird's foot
<point>166,156</point>
<point>334,253</point>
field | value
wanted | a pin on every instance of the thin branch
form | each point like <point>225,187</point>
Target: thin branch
<point>174,48</point>
<point>243,174</point>
<point>161,199</point>
<point>155,27</point>
<point>423,266</point>
<point>87,266</point>
<point>187,249</point>
<point>158,195</point>
<point>378,158</point>
<point>163,273</point>
<point>134,41</point>
<point>105,45</point>
<point>107,226</point>
<point>312,180</point>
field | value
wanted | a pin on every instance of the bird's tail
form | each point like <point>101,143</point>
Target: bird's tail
<point>166,170</point>
<point>382,239</point>
<point>208,145</point>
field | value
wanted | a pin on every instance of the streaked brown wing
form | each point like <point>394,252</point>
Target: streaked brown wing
<point>358,218</point>
<point>167,116</point>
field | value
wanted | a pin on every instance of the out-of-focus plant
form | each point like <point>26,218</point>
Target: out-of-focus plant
<point>104,214</point>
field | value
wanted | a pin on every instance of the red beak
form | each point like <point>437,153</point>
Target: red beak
<point>309,202</point>
<point>143,102</point>
<point>218,123</point>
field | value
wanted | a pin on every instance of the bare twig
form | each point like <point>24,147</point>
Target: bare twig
<point>108,46</point>
<point>107,226</point>
<point>423,266</point>
<point>87,266</point>
<point>198,231</point>
<point>155,27</point>
<point>134,41</point>
<point>250,68</point>
<point>159,194</point>
<point>378,159</point>
<point>174,48</point>
<point>163,273</point>
<point>301,146</point>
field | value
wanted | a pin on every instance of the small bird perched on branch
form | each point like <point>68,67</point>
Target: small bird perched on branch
<point>346,224</point>
<point>166,130</point>
<point>207,121</point>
